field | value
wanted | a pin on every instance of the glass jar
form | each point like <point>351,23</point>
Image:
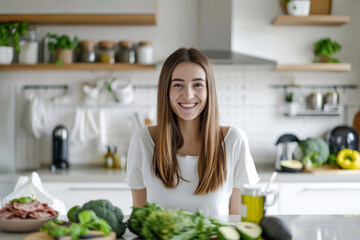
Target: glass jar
<point>29,47</point>
<point>106,53</point>
<point>145,53</point>
<point>87,53</point>
<point>126,53</point>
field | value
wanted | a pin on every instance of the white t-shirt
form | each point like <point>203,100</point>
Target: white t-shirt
<point>240,170</point>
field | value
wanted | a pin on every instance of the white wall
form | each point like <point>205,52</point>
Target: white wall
<point>246,98</point>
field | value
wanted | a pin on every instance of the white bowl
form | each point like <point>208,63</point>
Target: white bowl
<point>24,225</point>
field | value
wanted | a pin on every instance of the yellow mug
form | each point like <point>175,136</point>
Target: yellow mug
<point>254,202</point>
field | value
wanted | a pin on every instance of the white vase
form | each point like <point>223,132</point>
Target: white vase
<point>6,54</point>
<point>298,7</point>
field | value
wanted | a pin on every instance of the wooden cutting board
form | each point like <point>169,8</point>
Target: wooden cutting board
<point>356,125</point>
<point>45,236</point>
<point>327,169</point>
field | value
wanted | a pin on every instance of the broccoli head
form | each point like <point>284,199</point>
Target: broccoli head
<point>315,152</point>
<point>138,216</point>
<point>105,210</point>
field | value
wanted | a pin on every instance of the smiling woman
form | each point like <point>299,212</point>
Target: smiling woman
<point>188,160</point>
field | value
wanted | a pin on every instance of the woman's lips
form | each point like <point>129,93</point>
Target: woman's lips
<point>187,105</point>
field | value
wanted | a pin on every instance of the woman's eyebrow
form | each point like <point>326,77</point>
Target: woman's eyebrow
<point>182,80</point>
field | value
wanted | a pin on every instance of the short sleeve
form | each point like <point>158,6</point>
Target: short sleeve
<point>134,177</point>
<point>244,167</point>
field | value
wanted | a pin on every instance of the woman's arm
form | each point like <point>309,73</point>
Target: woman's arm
<point>235,199</point>
<point>139,197</point>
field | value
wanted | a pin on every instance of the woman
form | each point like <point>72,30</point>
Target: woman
<point>187,160</point>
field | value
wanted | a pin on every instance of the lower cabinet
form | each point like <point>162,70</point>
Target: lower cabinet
<point>71,193</point>
<point>319,198</point>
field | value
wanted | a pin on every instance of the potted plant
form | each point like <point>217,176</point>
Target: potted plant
<point>324,49</point>
<point>298,7</point>
<point>291,104</point>
<point>62,48</point>
<point>9,40</point>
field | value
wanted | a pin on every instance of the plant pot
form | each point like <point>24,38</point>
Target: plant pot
<point>298,7</point>
<point>65,55</point>
<point>292,108</point>
<point>6,54</point>
<point>324,59</point>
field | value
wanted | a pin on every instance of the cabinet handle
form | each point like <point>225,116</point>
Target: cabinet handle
<point>99,189</point>
<point>331,189</point>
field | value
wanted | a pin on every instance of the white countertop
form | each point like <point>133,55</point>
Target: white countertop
<point>99,174</point>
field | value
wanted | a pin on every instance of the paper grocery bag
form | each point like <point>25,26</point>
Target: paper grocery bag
<point>32,187</point>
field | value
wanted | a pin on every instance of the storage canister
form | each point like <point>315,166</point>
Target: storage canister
<point>87,53</point>
<point>145,52</point>
<point>29,47</point>
<point>126,52</point>
<point>106,53</point>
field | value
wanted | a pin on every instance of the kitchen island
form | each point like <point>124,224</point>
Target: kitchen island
<point>302,227</point>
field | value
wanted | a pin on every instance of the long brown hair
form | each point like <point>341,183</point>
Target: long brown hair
<point>212,159</point>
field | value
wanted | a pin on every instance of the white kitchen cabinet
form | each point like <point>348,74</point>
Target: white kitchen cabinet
<point>72,193</point>
<point>319,198</point>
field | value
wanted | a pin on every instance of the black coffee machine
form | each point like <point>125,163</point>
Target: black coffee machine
<point>342,137</point>
<point>60,138</point>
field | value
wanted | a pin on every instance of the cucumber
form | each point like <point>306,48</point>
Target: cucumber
<point>249,230</point>
<point>227,233</point>
<point>274,229</point>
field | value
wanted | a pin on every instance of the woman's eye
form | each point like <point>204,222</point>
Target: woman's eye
<point>177,85</point>
<point>198,85</point>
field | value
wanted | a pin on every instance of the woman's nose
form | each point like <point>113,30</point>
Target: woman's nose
<point>189,92</point>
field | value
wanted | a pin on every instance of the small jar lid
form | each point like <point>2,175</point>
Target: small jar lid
<point>126,44</point>
<point>106,44</point>
<point>87,44</point>
<point>144,43</point>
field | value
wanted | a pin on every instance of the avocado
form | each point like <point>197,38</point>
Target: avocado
<point>227,233</point>
<point>291,165</point>
<point>274,229</point>
<point>248,230</point>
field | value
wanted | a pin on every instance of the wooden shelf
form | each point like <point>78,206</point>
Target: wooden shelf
<point>327,20</point>
<point>77,66</point>
<point>81,19</point>
<point>303,113</point>
<point>324,67</point>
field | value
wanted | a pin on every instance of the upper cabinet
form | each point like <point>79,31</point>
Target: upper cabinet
<point>111,12</point>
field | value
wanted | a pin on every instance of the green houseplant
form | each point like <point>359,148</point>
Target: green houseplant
<point>324,50</point>
<point>62,47</point>
<point>10,34</point>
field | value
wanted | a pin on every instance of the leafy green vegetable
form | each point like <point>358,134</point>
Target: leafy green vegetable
<point>325,48</point>
<point>72,215</point>
<point>23,200</point>
<point>153,222</point>
<point>105,210</point>
<point>315,152</point>
<point>88,220</point>
<point>332,160</point>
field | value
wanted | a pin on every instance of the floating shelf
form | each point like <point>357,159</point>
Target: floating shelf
<point>81,19</point>
<point>315,20</point>
<point>77,66</point>
<point>303,113</point>
<point>322,67</point>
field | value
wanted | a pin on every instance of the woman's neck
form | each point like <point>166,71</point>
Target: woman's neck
<point>190,132</point>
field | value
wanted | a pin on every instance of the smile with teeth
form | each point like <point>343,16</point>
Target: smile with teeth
<point>188,105</point>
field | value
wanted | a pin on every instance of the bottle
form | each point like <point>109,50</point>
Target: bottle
<point>144,53</point>
<point>109,161</point>
<point>106,53</point>
<point>29,47</point>
<point>126,53</point>
<point>116,159</point>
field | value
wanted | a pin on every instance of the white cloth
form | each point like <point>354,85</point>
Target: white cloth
<point>240,170</point>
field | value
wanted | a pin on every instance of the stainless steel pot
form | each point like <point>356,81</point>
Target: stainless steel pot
<point>331,98</point>
<point>315,101</point>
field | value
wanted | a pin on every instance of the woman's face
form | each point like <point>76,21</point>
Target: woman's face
<point>188,91</point>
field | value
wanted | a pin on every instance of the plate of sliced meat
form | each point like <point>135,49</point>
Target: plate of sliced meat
<point>25,215</point>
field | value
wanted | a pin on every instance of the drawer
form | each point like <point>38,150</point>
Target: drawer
<point>119,194</point>
<point>319,198</point>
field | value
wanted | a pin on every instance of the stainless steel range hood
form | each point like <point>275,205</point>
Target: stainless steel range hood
<point>215,35</point>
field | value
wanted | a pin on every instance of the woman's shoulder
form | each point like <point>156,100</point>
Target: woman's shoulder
<point>143,135</point>
<point>234,133</point>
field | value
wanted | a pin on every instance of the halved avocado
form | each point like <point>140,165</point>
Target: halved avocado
<point>291,165</point>
<point>248,230</point>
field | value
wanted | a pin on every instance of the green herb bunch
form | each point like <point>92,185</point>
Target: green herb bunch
<point>10,34</point>
<point>325,48</point>
<point>60,42</point>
